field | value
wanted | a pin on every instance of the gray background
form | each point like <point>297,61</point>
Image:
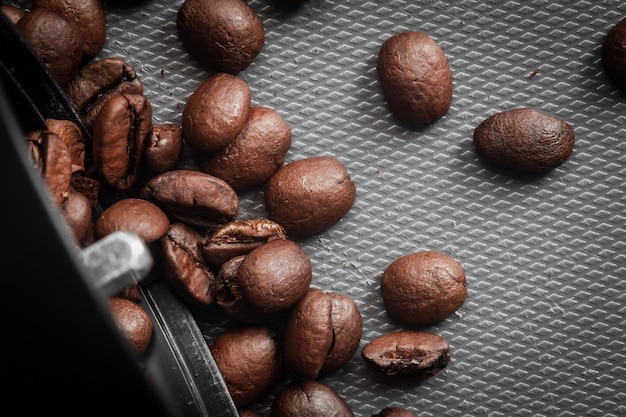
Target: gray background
<point>542,330</point>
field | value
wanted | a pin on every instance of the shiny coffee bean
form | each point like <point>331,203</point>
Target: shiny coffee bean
<point>71,134</point>
<point>137,215</point>
<point>76,210</point>
<point>121,133</point>
<point>193,197</point>
<point>309,398</point>
<point>99,81</point>
<point>13,13</point>
<point>165,147</point>
<point>418,355</point>
<point>134,323</point>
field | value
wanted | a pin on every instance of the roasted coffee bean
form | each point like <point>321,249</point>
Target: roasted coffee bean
<point>56,40</point>
<point>184,268</point>
<point>165,147</point>
<point>216,112</point>
<point>248,413</point>
<point>255,154</point>
<point>415,77</point>
<point>394,412</point>
<point>309,398</point>
<point>239,237</point>
<point>90,187</point>
<point>121,133</point>
<point>418,355</point>
<point>77,213</point>
<point>13,13</point>
<point>193,197</point>
<point>137,215</point>
<point>525,140</point>
<point>249,360</point>
<point>321,333</point>
<point>310,195</point>
<point>134,323</point>
<point>51,157</point>
<point>222,35</point>
<point>423,288</point>
<point>614,53</point>
<point>71,134</point>
<point>99,81</point>
<point>89,18</point>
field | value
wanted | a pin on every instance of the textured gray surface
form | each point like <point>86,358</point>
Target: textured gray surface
<point>542,330</point>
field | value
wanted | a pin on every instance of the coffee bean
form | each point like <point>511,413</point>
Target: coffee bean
<point>165,147</point>
<point>193,197</point>
<point>321,333</point>
<point>89,18</point>
<point>72,135</point>
<point>133,322</point>
<point>239,237</point>
<point>98,82</point>
<point>309,398</point>
<point>415,77</point>
<point>394,412</point>
<point>121,133</point>
<point>184,268</point>
<point>423,288</point>
<point>222,35</point>
<point>216,112</point>
<point>248,413</point>
<point>137,215</point>
<point>310,195</point>
<point>77,213</point>
<point>56,39</point>
<point>255,154</point>
<point>418,355</point>
<point>525,140</point>
<point>13,13</point>
<point>250,361</point>
<point>614,53</point>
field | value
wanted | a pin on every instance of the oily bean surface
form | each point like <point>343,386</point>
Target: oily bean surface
<point>524,139</point>
<point>415,77</point>
<point>614,53</point>
<point>137,215</point>
<point>133,322</point>
<point>310,398</point>
<point>165,147</point>
<point>310,195</point>
<point>418,355</point>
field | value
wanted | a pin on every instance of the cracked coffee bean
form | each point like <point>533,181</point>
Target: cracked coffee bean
<point>418,355</point>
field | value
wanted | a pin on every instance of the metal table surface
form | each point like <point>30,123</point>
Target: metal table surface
<point>541,332</point>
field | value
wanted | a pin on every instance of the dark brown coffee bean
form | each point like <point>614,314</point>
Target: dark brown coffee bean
<point>51,157</point>
<point>239,237</point>
<point>525,140</point>
<point>134,323</point>
<point>13,13</point>
<point>423,288</point>
<point>216,112</point>
<point>90,187</point>
<point>230,299</point>
<point>165,147</point>
<point>121,133</point>
<point>56,40</point>
<point>614,53</point>
<point>250,361</point>
<point>415,78</point>
<point>394,412</point>
<point>248,413</point>
<point>310,195</point>
<point>89,18</point>
<point>184,268</point>
<point>77,213</point>
<point>193,197</point>
<point>99,81</point>
<point>130,292</point>
<point>255,154</point>
<point>418,355</point>
<point>222,35</point>
<point>321,334</point>
<point>309,398</point>
<point>72,135</point>
<point>137,215</point>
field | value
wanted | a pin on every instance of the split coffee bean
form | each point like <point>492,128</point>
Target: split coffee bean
<point>415,77</point>
<point>614,53</point>
<point>121,133</point>
<point>216,112</point>
<point>222,35</point>
<point>309,398</point>
<point>239,237</point>
<point>133,322</point>
<point>255,154</point>
<point>249,360</point>
<point>193,197</point>
<point>394,412</point>
<point>418,355</point>
<point>321,333</point>
<point>184,268</point>
<point>423,288</point>
<point>525,140</point>
<point>310,195</point>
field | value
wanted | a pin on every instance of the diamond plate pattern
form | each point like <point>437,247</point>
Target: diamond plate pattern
<point>541,332</point>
